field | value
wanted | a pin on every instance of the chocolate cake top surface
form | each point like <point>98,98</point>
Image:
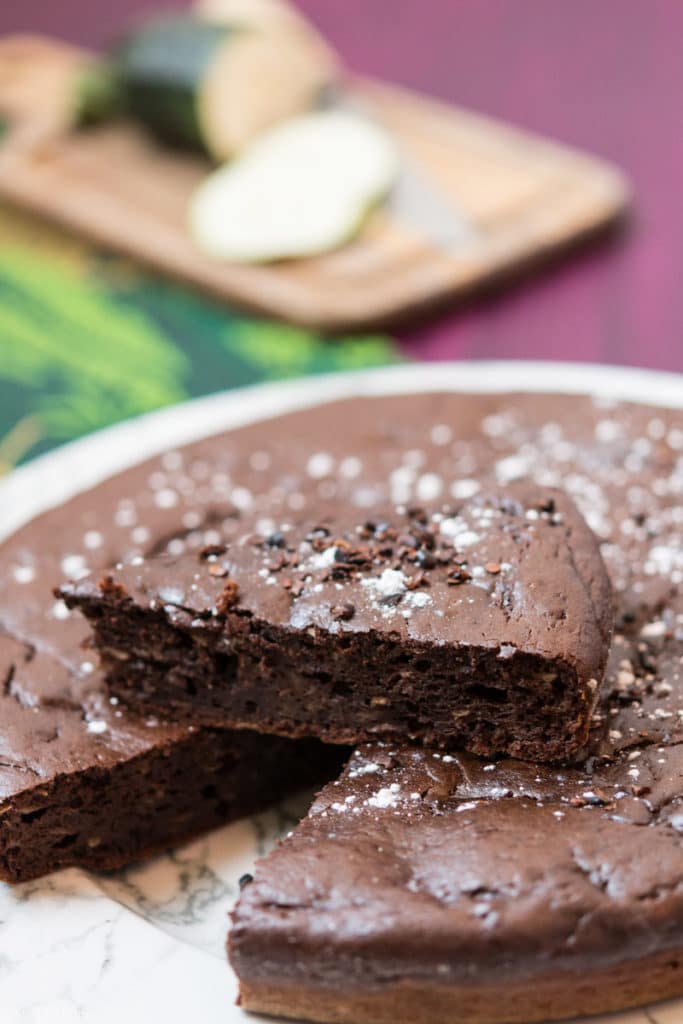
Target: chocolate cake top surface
<point>416,865</point>
<point>620,463</point>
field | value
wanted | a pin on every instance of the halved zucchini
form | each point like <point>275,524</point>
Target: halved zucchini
<point>304,188</point>
<point>208,85</point>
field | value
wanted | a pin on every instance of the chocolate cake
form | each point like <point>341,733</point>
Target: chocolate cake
<point>482,623</point>
<point>503,889</point>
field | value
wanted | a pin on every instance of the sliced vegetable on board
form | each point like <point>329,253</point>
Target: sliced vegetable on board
<point>207,84</point>
<point>304,188</point>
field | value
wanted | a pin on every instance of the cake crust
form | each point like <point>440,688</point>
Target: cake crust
<point>525,1001</point>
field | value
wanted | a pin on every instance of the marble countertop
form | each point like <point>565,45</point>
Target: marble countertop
<point>143,944</point>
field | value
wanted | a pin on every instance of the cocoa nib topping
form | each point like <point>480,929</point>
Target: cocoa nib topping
<point>473,541</point>
<point>275,539</point>
<point>458,575</point>
<point>108,585</point>
<point>211,554</point>
<point>277,563</point>
<point>425,559</point>
<point>414,548</point>
<point>228,598</point>
<point>294,585</point>
<point>344,611</point>
<point>420,579</point>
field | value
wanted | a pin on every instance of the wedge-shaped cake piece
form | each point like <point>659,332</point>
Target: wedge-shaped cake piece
<point>442,889</point>
<point>482,624</point>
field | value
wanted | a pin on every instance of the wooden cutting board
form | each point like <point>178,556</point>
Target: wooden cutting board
<point>503,198</point>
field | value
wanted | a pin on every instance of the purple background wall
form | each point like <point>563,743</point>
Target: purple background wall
<point>606,76</point>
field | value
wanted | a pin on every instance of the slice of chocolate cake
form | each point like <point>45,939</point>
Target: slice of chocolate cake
<point>482,624</point>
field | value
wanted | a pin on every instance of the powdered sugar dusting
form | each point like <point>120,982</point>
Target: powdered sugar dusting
<point>387,796</point>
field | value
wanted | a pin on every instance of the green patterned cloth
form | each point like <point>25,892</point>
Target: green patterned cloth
<point>88,339</point>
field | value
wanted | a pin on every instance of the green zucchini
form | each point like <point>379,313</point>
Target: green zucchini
<point>164,69</point>
<point>203,84</point>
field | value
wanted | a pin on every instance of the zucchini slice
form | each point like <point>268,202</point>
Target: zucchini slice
<point>207,85</point>
<point>304,188</point>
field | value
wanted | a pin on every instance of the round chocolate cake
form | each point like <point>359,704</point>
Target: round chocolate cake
<point>423,886</point>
